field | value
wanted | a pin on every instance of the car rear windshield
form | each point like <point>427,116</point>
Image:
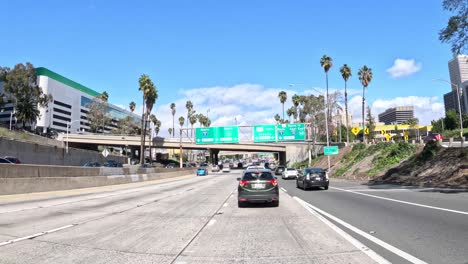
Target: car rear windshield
<point>291,169</point>
<point>321,171</point>
<point>261,175</point>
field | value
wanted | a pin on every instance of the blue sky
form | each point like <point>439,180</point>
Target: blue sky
<point>242,51</point>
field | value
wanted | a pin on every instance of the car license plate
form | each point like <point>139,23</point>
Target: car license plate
<point>317,178</point>
<point>258,186</point>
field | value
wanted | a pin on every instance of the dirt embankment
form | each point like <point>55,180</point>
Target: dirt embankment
<point>431,165</point>
<point>441,167</point>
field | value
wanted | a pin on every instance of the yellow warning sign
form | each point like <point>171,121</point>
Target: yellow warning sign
<point>355,130</point>
<point>388,136</point>
<point>406,137</point>
<point>383,132</point>
<point>366,131</point>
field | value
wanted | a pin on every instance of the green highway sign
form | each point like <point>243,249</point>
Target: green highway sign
<point>216,135</point>
<point>280,132</point>
<point>228,134</point>
<point>264,133</point>
<point>288,132</point>
<point>332,150</point>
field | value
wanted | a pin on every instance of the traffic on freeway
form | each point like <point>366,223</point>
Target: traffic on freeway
<point>206,219</point>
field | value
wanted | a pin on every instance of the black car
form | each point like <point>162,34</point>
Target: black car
<point>14,160</point>
<point>257,186</point>
<point>279,170</point>
<point>5,161</point>
<point>92,164</point>
<point>312,177</point>
<point>112,163</point>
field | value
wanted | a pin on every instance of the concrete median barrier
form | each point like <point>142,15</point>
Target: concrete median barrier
<point>15,179</point>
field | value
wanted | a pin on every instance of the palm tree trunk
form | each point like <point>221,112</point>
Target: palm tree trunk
<point>173,131</point>
<point>363,120</point>
<point>283,112</point>
<point>327,104</point>
<point>142,132</point>
<point>346,111</point>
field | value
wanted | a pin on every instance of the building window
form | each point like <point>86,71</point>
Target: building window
<point>59,124</point>
<point>85,101</point>
<point>62,118</point>
<point>62,104</point>
<point>62,111</point>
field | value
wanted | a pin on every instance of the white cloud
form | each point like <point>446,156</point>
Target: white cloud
<point>402,67</point>
<point>247,103</point>
<point>426,109</point>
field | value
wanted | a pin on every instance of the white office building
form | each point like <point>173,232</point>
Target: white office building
<point>68,106</point>
<point>458,69</point>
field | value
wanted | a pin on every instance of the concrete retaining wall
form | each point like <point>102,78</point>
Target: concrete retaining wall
<point>16,179</point>
<point>33,153</point>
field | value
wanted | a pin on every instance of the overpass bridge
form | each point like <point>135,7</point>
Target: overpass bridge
<point>287,151</point>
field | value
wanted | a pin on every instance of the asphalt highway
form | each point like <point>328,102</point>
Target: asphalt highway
<point>428,224</point>
<point>187,220</point>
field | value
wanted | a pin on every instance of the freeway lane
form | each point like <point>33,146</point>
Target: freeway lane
<point>430,234</point>
<point>192,220</point>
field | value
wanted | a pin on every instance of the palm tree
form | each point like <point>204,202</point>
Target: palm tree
<point>192,120</point>
<point>149,98</point>
<point>189,106</point>
<point>326,63</point>
<point>345,71</point>
<point>105,96</point>
<point>365,76</point>
<point>283,97</point>
<point>173,112</point>
<point>181,123</point>
<point>169,130</point>
<point>291,111</point>
<point>296,100</point>
<point>277,118</point>
<point>132,106</point>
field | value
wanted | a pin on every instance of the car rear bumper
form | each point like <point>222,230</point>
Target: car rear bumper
<point>290,176</point>
<point>316,183</point>
<point>264,197</point>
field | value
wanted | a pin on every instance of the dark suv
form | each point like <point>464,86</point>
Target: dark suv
<point>258,186</point>
<point>280,169</point>
<point>312,177</point>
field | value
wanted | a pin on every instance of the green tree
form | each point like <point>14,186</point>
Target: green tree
<point>456,31</point>
<point>283,97</point>
<point>189,107</point>
<point>365,77</point>
<point>413,123</point>
<point>170,130</point>
<point>126,126</point>
<point>21,88</point>
<point>370,123</point>
<point>345,71</point>
<point>181,123</point>
<point>296,100</point>
<point>451,120</point>
<point>98,116</point>
<point>132,106</point>
<point>173,112</point>
<point>150,95</point>
<point>105,96</point>
<point>192,120</point>
<point>291,112</point>
<point>277,118</point>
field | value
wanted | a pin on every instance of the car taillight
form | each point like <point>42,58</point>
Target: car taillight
<point>243,182</point>
<point>273,182</point>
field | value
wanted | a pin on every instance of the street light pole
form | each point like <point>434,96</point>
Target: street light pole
<point>459,94</point>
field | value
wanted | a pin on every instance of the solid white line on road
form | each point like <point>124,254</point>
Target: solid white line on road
<point>403,202</point>
<point>369,252</point>
<point>34,236</point>
<point>377,241</point>
<point>283,189</point>
<point>225,204</point>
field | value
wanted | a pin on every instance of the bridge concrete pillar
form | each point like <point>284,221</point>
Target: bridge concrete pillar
<point>282,157</point>
<point>214,156</point>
